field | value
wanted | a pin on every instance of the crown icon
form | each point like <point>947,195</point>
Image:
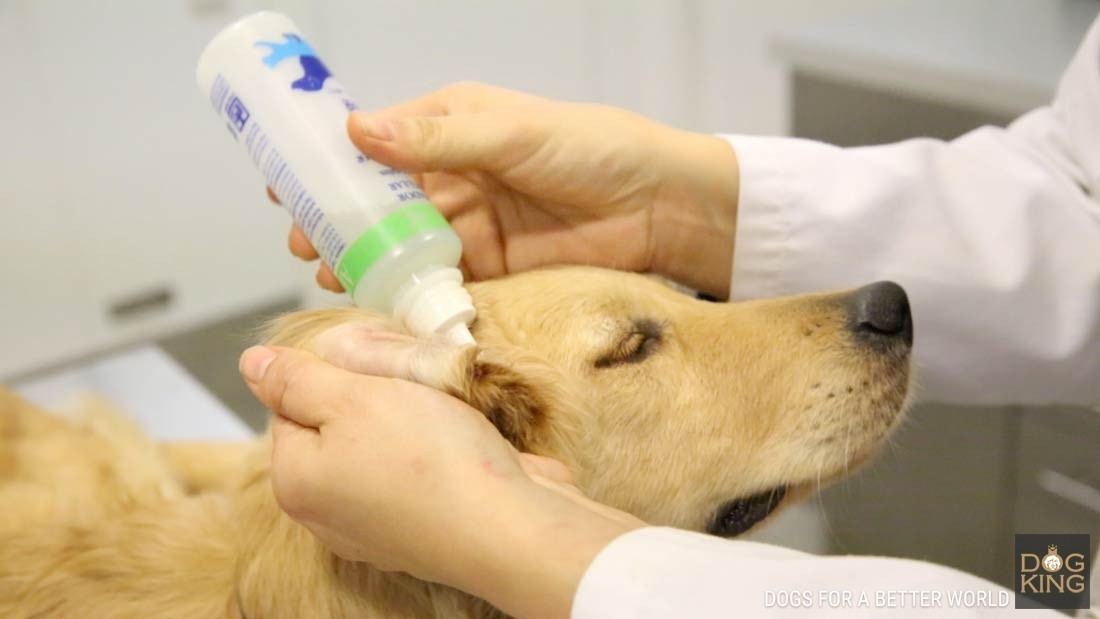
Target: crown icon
<point>1053,548</point>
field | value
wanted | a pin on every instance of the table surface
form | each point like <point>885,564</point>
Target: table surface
<point>1005,56</point>
<point>149,387</point>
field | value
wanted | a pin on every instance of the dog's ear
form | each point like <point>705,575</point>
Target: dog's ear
<point>514,393</point>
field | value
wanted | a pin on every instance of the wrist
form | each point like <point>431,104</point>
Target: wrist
<point>532,553</point>
<point>695,217</point>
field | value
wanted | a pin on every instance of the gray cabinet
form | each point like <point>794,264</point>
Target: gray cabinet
<point>956,484</point>
<point>1058,472</point>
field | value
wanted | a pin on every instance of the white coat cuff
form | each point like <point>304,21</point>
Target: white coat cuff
<point>763,246</point>
<point>652,571</point>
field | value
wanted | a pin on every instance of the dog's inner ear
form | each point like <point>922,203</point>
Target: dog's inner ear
<point>510,400</point>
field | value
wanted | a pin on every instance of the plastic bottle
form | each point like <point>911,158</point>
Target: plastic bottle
<point>388,246</point>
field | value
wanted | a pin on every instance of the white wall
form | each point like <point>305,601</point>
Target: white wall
<point>118,180</point>
<point>700,64</point>
<point>743,87</point>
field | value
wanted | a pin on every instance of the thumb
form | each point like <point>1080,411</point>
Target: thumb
<point>480,140</point>
<point>297,385</point>
<point>363,348</point>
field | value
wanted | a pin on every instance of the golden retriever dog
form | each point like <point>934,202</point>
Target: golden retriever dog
<point>705,416</point>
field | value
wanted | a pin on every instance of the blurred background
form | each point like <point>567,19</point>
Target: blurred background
<point>138,251</point>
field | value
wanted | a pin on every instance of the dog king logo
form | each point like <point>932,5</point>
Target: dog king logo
<point>314,71</point>
<point>1052,571</point>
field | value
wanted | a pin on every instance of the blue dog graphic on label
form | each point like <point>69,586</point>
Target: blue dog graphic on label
<point>295,47</point>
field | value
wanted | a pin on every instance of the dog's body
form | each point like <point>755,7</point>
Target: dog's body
<point>685,413</point>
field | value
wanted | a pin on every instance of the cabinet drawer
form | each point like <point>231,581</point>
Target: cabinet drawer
<point>1058,475</point>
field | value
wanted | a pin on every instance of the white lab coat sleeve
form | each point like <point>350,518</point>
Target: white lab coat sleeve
<point>659,573</point>
<point>995,235</point>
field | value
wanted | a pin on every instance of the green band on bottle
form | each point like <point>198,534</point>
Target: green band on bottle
<point>391,231</point>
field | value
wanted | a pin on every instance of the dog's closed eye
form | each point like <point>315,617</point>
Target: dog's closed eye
<point>639,342</point>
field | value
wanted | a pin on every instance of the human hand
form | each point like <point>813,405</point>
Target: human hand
<point>527,181</point>
<point>408,478</point>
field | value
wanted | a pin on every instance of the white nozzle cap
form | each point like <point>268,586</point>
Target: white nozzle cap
<point>434,302</point>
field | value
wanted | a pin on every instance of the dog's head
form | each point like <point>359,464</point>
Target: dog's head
<point>700,415</point>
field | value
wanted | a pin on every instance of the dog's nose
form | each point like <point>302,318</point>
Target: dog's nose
<point>880,311</point>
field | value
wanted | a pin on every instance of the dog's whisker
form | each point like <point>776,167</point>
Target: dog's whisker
<point>830,532</point>
<point>847,444</point>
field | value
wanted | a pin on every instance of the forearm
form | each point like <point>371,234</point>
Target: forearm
<point>696,213</point>
<point>528,559</point>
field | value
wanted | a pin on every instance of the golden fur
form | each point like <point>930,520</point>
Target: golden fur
<point>662,405</point>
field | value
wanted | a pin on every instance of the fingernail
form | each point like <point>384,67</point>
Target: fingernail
<point>376,128</point>
<point>254,362</point>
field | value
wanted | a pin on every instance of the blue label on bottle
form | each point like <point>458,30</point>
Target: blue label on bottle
<point>314,71</point>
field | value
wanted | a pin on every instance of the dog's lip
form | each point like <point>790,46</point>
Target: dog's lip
<point>739,515</point>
